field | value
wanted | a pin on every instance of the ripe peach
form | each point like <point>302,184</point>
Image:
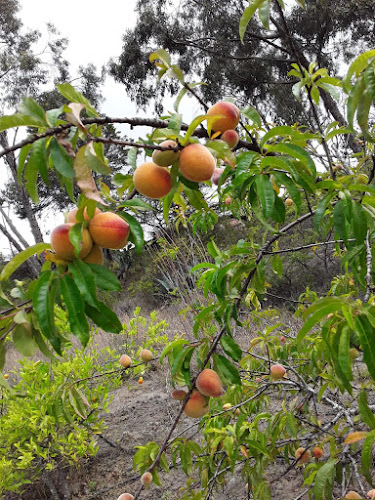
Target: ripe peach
<point>152,181</point>
<point>230,137</point>
<point>109,230</point>
<point>6,375</point>
<point>282,338</point>
<point>230,116</point>
<point>289,202</point>
<point>72,215</point>
<point>125,361</point>
<point>95,256</point>
<point>61,244</point>
<point>317,452</point>
<point>302,455</point>
<point>146,355</point>
<point>196,163</point>
<point>140,380</point>
<point>146,478</point>
<point>178,394</point>
<point>197,405</point>
<point>228,200</point>
<point>125,496</point>
<point>216,176</point>
<point>209,384</point>
<point>371,495</point>
<point>277,372</point>
<point>165,158</point>
<point>352,495</point>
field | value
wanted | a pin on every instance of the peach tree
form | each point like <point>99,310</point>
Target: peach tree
<point>291,400</point>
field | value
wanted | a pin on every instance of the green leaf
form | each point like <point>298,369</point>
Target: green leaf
<point>195,198</point>
<point>79,410</point>
<point>367,338</point>
<point>354,97</point>
<point>277,265</point>
<point>331,89</point>
<point>321,208</point>
<point>42,345</point>
<point>72,95</point>
<point>75,309</point>
<point>20,258</point>
<point>359,222</point>
<point>266,194</point>
<point>264,14</point>
<point>18,120</point>
<point>230,347</point>
<point>367,415</point>
<point>136,231</point>
<point>296,152</point>
<point>105,279</point>
<point>227,369</point>
<point>325,475</point>
<point>94,162</point>
<point>363,111</point>
<point>44,298</point>
<point>31,108</point>
<point>339,221</point>
<point>23,339</point>
<point>366,459</point>
<point>162,55</point>
<point>343,353</point>
<point>30,177</point>
<point>170,347</point>
<point>320,309</point>
<point>285,131</point>
<point>21,161</point>
<point>62,162</point>
<point>370,80</point>
<point>357,66</point>
<point>192,127</point>
<point>38,159</point>
<point>104,317</point>
<point>85,280</point>
<point>75,237</point>
<point>137,204</point>
<point>247,15</point>
<point>252,114</point>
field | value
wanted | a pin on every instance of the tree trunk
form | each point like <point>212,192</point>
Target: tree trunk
<point>10,159</point>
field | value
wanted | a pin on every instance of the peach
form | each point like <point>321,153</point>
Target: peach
<point>125,361</point>
<point>125,496</point>
<point>178,394</point>
<point>209,384</point>
<point>146,478</point>
<point>317,452</point>
<point>73,213</point>
<point>289,202</point>
<point>197,405</point>
<point>196,163</point>
<point>230,137</point>
<point>216,176</point>
<point>152,181</point>
<point>277,372</point>
<point>302,455</point>
<point>353,353</point>
<point>109,230</point>
<point>146,355</point>
<point>282,338</point>
<point>371,495</point>
<point>362,179</point>
<point>62,246</point>
<point>227,406</point>
<point>352,495</point>
<point>95,256</point>
<point>228,200</point>
<point>229,116</point>
<point>140,380</point>
<point>165,158</point>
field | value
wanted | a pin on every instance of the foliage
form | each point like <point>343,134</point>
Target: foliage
<point>52,415</point>
<point>282,176</point>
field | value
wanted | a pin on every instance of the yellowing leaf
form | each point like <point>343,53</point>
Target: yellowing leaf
<point>74,117</point>
<point>84,177</point>
<point>353,437</point>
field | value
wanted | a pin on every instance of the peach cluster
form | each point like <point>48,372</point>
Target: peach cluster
<point>104,230</point>
<point>195,161</point>
<point>208,384</point>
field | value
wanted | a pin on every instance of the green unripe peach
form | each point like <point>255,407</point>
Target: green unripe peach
<point>165,158</point>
